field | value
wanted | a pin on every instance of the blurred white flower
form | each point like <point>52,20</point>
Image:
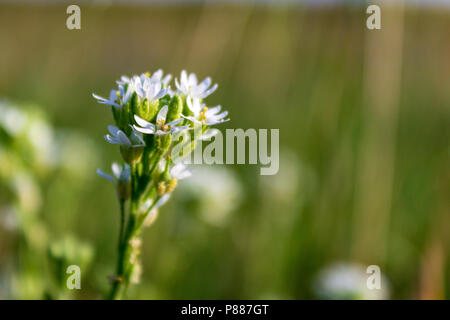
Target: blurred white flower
<point>216,190</point>
<point>42,140</point>
<point>27,191</point>
<point>295,182</point>
<point>76,153</point>
<point>8,218</point>
<point>348,281</point>
<point>11,119</point>
<point>179,171</point>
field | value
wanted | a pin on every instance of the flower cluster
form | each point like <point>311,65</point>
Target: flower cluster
<point>150,117</point>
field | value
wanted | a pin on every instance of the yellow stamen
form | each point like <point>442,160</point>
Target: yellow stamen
<point>147,74</point>
<point>172,185</point>
<point>118,95</point>
<point>161,188</point>
<point>203,114</point>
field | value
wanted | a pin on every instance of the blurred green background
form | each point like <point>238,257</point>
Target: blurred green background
<point>364,142</point>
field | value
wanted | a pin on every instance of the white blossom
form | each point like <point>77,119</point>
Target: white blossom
<point>117,136</point>
<point>120,173</point>
<point>146,88</point>
<point>118,97</point>
<point>189,86</point>
<point>204,115</point>
<point>161,127</point>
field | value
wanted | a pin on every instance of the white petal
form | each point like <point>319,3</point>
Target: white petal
<point>167,79</point>
<point>177,129</point>
<point>184,78</point>
<point>191,119</point>
<point>177,84</point>
<point>161,201</point>
<point>161,94</point>
<point>104,175</point>
<point>126,172</point>
<point>184,174</point>
<point>209,91</point>
<point>110,139</point>
<point>162,133</point>
<point>98,97</point>
<point>194,105</point>
<point>116,170</point>
<point>175,122</point>
<point>212,111</point>
<point>162,114</point>
<point>157,75</point>
<point>221,115</point>
<point>113,130</point>
<point>136,138</point>
<point>144,130</point>
<point>213,122</point>
<point>204,84</point>
<point>143,123</point>
<point>176,169</point>
<point>209,134</point>
<point>192,79</point>
<point>123,139</point>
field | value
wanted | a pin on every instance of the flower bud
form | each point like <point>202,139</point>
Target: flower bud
<point>175,108</point>
<point>124,189</point>
<point>163,142</point>
<point>186,110</point>
<point>132,154</point>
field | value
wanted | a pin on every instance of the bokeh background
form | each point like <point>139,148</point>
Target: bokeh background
<point>364,142</point>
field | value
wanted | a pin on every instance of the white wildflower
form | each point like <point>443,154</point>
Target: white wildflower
<point>204,115</point>
<point>161,127</point>
<point>120,173</point>
<point>117,136</point>
<point>189,86</point>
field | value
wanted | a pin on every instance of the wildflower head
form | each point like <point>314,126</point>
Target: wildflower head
<point>131,147</point>
<point>203,115</point>
<point>189,86</point>
<point>147,115</point>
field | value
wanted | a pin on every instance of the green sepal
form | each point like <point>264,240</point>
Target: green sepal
<point>133,154</point>
<point>175,108</point>
<point>186,110</point>
<point>165,101</point>
<point>163,143</point>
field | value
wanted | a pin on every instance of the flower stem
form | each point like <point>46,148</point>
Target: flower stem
<point>126,259</point>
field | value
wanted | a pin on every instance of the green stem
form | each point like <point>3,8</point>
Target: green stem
<point>124,264</point>
<point>122,277</point>
<point>122,222</point>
